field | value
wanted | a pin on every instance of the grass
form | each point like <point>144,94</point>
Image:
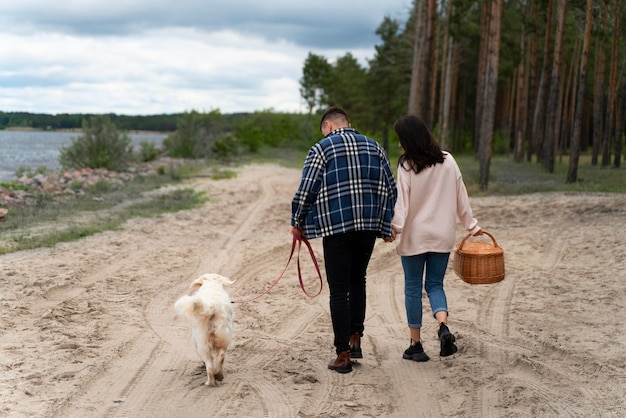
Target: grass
<point>505,176</point>
<point>105,206</point>
<point>47,221</point>
<point>509,178</point>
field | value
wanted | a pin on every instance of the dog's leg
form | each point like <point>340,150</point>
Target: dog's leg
<point>206,359</point>
<point>219,362</point>
<point>209,364</point>
<point>210,374</point>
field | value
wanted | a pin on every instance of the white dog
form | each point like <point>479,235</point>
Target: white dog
<point>210,311</point>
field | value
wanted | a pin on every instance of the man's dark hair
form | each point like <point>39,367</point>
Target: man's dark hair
<point>332,113</point>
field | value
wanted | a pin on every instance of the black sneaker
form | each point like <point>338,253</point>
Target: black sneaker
<point>415,353</point>
<point>447,339</point>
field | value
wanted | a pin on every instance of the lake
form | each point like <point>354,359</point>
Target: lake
<point>34,149</point>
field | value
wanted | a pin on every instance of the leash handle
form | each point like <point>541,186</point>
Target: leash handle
<point>317,267</point>
<point>293,248</point>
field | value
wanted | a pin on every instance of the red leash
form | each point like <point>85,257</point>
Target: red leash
<point>293,248</point>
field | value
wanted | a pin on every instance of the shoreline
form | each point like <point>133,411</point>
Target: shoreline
<point>78,130</point>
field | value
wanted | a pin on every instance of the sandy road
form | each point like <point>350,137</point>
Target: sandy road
<point>88,328</point>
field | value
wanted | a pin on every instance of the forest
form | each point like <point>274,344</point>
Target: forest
<point>540,79</point>
<point>160,123</point>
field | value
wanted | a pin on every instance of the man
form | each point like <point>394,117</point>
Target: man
<point>346,196</point>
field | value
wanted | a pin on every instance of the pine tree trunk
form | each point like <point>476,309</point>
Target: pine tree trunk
<point>532,82</point>
<point>447,95</point>
<point>510,106</point>
<point>609,135</point>
<point>539,120</point>
<point>621,123</point>
<point>598,99</point>
<point>520,126</point>
<point>482,68</point>
<point>569,99</point>
<point>426,61</point>
<point>416,68</point>
<point>574,148</point>
<point>540,103</point>
<point>490,92</point>
<point>457,118</point>
<point>432,82</point>
<point>446,45</point>
<point>552,119</point>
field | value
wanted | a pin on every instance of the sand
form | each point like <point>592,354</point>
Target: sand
<point>88,329</point>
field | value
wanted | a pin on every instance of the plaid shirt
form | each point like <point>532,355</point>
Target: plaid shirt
<point>347,185</point>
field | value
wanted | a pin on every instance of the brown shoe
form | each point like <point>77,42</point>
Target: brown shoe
<point>355,346</point>
<point>342,363</point>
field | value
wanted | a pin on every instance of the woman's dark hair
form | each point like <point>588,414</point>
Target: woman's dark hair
<point>420,149</point>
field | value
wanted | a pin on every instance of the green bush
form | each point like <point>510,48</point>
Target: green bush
<point>275,130</point>
<point>101,145</point>
<point>195,135</point>
<point>225,148</point>
<point>210,135</point>
<point>148,151</point>
<point>13,186</point>
<point>28,172</point>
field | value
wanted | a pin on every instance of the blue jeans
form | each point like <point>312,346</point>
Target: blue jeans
<point>435,265</point>
<point>346,257</point>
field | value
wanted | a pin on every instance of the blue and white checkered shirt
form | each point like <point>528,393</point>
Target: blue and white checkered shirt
<point>347,185</point>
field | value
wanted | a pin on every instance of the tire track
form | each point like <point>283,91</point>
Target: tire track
<point>247,216</point>
<point>143,384</point>
<point>245,373</point>
<point>494,318</point>
<point>115,384</point>
<point>493,340</point>
<point>388,333</point>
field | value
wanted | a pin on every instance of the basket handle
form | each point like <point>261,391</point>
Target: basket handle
<point>484,232</point>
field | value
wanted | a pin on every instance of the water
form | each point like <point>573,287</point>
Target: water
<point>34,149</point>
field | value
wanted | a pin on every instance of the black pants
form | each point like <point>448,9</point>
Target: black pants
<point>346,257</point>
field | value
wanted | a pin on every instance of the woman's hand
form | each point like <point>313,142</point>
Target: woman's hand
<point>392,238</point>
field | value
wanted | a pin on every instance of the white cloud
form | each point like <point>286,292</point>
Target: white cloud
<point>195,57</point>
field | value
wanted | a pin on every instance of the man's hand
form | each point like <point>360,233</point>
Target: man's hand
<point>297,233</point>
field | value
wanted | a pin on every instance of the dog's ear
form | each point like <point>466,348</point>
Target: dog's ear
<point>197,283</point>
<point>218,278</point>
<point>228,282</point>
<point>225,280</point>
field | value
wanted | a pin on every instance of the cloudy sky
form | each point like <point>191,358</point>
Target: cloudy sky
<point>140,57</point>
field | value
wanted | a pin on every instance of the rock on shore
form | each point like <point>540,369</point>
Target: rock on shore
<point>72,182</point>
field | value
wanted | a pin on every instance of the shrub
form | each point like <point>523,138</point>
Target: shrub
<point>101,145</point>
<point>225,148</point>
<point>28,172</point>
<point>148,151</point>
<point>266,128</point>
<point>195,135</point>
<point>13,186</point>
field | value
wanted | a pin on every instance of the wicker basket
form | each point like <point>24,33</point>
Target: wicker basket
<point>479,262</point>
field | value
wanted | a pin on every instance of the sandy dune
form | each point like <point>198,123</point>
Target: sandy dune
<point>88,328</point>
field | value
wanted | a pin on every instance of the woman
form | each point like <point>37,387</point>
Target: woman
<point>431,194</point>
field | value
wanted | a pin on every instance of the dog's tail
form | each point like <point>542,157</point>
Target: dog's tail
<point>193,309</point>
<point>185,306</point>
